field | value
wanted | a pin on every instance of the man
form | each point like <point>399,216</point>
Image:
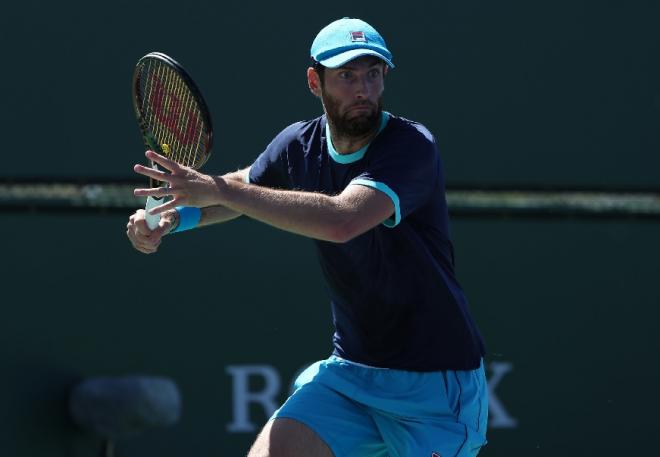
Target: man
<point>406,376</point>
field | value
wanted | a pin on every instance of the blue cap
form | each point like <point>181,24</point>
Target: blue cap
<point>347,39</point>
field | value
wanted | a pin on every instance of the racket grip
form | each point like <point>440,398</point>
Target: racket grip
<point>152,219</point>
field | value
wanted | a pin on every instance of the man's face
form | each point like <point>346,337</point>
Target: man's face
<point>352,96</point>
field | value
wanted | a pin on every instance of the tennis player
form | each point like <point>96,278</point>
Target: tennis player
<point>406,377</point>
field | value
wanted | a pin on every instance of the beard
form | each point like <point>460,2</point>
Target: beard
<point>356,126</point>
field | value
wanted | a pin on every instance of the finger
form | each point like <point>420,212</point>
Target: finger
<point>156,192</point>
<point>141,226</point>
<point>143,231</point>
<point>164,161</point>
<point>147,248</point>
<point>163,226</point>
<point>152,173</point>
<point>155,235</point>
<point>138,239</point>
<point>164,207</point>
<point>136,216</point>
<point>143,235</point>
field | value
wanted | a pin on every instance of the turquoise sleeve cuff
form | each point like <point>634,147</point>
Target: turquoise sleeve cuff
<point>189,217</point>
<point>391,222</point>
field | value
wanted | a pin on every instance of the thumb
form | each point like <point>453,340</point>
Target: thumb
<point>164,226</point>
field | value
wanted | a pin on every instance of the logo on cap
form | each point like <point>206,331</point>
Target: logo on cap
<point>435,454</point>
<point>358,37</point>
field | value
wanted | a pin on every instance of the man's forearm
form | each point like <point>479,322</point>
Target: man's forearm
<point>217,214</point>
<point>310,214</point>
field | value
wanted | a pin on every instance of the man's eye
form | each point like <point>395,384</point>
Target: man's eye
<point>344,75</point>
<point>374,73</point>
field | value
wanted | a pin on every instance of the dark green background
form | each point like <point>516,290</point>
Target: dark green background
<point>571,304</point>
<point>518,94</point>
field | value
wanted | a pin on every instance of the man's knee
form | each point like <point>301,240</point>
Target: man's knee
<point>288,438</point>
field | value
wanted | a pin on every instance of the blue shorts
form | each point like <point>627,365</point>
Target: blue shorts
<point>378,412</point>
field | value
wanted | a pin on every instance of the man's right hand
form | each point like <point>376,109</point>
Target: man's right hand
<point>144,239</point>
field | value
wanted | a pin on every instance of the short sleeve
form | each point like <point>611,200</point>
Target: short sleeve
<point>270,169</point>
<point>406,167</point>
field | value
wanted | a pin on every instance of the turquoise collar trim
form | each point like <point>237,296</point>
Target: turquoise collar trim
<point>357,155</point>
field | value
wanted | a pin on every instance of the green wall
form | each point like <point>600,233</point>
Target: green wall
<point>517,92</point>
<point>568,309</point>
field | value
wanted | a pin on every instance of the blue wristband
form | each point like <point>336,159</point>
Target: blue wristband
<point>188,218</point>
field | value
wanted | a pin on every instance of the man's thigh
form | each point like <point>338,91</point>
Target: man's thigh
<point>288,438</point>
<point>343,425</point>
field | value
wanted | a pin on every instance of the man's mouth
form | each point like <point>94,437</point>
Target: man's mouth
<point>360,108</point>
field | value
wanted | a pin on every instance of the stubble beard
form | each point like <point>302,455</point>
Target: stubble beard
<point>354,127</point>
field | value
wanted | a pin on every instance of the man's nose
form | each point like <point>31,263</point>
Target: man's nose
<point>362,89</point>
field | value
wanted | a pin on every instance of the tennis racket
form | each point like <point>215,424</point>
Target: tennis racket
<point>172,115</point>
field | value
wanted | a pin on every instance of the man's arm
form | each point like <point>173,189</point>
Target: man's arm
<point>337,218</point>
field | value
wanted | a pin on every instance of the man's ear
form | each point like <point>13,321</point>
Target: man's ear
<point>313,82</point>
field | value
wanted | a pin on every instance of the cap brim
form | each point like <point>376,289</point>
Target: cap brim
<point>340,59</point>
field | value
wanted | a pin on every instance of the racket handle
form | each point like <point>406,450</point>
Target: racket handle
<point>152,219</point>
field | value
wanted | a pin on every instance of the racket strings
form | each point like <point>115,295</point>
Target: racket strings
<point>168,119</point>
<point>172,114</point>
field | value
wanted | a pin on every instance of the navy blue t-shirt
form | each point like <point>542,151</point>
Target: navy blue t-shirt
<point>395,300</point>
